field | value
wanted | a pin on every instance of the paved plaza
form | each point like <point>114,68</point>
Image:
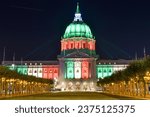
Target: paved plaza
<point>71,96</point>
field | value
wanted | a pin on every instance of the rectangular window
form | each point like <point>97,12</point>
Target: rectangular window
<point>55,72</point>
<point>83,45</point>
<point>77,70</point>
<point>99,72</point>
<point>71,45</point>
<point>85,70</point>
<point>70,70</point>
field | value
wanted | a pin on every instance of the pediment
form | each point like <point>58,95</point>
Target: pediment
<point>77,54</point>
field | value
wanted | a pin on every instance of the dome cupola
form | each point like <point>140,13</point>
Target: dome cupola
<point>78,40</point>
<point>78,28</point>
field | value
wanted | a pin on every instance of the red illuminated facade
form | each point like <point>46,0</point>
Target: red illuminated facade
<point>71,44</point>
<point>50,71</point>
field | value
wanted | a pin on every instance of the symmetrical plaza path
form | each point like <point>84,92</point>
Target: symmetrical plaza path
<point>71,96</point>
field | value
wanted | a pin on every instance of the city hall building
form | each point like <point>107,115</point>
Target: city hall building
<point>78,67</point>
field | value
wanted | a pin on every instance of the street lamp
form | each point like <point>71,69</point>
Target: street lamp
<point>62,86</point>
<point>147,78</point>
<point>55,82</point>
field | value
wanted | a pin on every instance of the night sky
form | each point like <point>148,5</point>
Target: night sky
<point>32,29</point>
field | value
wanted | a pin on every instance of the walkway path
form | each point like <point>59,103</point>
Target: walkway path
<point>71,96</point>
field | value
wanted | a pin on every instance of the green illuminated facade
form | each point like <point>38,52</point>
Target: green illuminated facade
<point>78,29</point>
<point>69,70</point>
<point>104,70</point>
<point>22,69</point>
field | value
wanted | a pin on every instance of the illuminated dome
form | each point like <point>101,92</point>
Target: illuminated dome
<point>78,28</point>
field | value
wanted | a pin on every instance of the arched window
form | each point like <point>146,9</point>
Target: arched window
<point>40,71</point>
<point>71,45</point>
<point>66,46</point>
<point>77,45</point>
<point>25,71</point>
<point>55,71</point>
<point>83,45</point>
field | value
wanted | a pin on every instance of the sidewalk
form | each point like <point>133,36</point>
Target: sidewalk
<point>146,98</point>
<point>138,97</point>
<point>10,96</point>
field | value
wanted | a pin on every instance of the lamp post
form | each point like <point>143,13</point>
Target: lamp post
<point>147,79</point>
<point>3,85</point>
<point>62,86</point>
<point>55,82</point>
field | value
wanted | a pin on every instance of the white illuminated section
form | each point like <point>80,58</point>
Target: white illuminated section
<point>118,67</point>
<point>30,70</point>
<point>39,74</point>
<point>77,70</point>
<point>78,17</point>
<point>34,71</point>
